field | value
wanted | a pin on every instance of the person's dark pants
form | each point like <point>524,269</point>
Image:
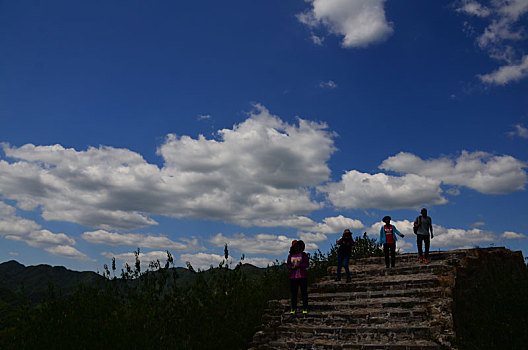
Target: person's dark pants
<point>342,261</point>
<point>390,247</point>
<point>295,283</point>
<point>427,240</point>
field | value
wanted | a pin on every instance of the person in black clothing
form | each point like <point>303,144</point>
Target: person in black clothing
<point>344,251</point>
<point>423,226</point>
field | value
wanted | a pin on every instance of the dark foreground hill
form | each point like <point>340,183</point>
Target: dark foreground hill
<point>152,310</point>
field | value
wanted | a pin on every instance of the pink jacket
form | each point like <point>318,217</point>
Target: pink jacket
<point>303,263</point>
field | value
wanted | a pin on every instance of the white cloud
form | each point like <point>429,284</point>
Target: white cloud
<point>452,238</point>
<point>338,224</point>
<point>267,244</point>
<point>481,171</point>
<point>302,223</point>
<point>361,22</point>
<point>16,228</point>
<point>204,116</point>
<point>317,40</point>
<point>479,224</point>
<point>453,191</point>
<point>144,258</point>
<point>13,225</point>
<point>260,169</point>
<point>513,235</point>
<point>362,190</point>
<point>140,240</point>
<point>519,131</point>
<point>507,74</point>
<point>473,8</point>
<point>328,84</point>
<point>67,252</point>
<point>44,237</point>
<point>13,253</point>
<point>204,261</point>
<point>499,38</point>
<point>313,237</point>
<point>260,262</point>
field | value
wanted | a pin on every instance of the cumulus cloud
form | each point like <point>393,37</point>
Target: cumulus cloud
<point>360,22</point>
<point>504,30</point>
<point>16,228</point>
<point>13,225</point>
<point>262,168</point>
<point>474,8</point>
<point>302,223</point>
<point>519,131</point>
<point>144,258</point>
<point>362,190</point>
<point>67,252</point>
<point>204,261</point>
<point>507,74</point>
<point>310,232</point>
<point>140,240</point>
<point>317,40</point>
<point>481,171</point>
<point>267,244</point>
<point>513,235</point>
<point>260,262</point>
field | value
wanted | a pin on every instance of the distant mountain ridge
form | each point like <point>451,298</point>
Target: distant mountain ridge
<point>18,282</point>
<point>34,281</point>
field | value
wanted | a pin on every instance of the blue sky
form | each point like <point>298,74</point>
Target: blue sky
<point>183,126</point>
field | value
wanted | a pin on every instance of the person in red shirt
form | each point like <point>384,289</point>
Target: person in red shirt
<point>388,239</point>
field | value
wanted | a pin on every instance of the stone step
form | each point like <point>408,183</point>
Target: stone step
<point>413,257</point>
<point>363,271</point>
<point>356,333</point>
<point>390,282</point>
<point>397,302</point>
<point>329,344</point>
<point>410,292</point>
<point>359,316</point>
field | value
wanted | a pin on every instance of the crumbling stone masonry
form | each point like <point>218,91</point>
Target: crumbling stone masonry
<point>409,307</point>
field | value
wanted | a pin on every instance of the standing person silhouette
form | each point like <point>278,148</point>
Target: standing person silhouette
<point>388,239</point>
<point>298,263</point>
<point>422,226</point>
<point>344,251</point>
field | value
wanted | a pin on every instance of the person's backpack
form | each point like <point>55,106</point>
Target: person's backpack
<point>415,228</point>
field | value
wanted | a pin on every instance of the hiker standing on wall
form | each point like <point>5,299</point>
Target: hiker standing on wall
<point>422,226</point>
<point>344,251</point>
<point>298,263</point>
<point>388,239</point>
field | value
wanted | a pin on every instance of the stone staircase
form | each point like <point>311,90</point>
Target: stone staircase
<point>408,307</point>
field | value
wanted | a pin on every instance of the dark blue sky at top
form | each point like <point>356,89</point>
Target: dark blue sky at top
<point>127,73</point>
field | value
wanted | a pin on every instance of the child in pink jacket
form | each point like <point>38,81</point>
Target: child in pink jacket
<point>298,263</point>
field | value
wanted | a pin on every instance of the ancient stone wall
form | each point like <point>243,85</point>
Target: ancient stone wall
<point>408,307</point>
